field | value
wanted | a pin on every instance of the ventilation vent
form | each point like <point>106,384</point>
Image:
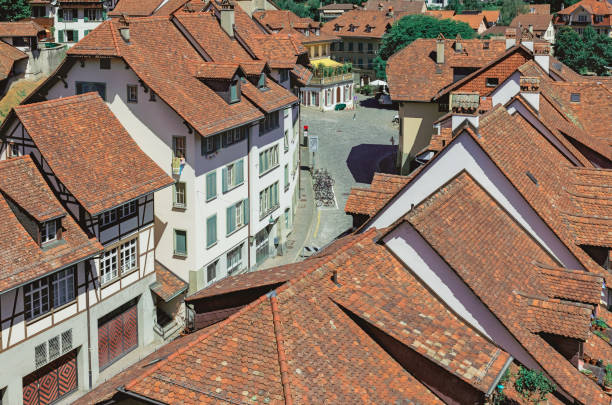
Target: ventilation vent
<point>54,348</point>
<point>40,355</point>
<point>67,341</point>
<point>575,97</point>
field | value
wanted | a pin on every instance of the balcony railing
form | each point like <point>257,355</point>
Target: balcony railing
<point>331,79</point>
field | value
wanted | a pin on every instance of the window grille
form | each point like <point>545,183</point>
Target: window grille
<point>67,341</point>
<point>40,355</point>
<point>54,348</point>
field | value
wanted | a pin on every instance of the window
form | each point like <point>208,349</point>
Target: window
<point>336,27</point>
<point>68,36</point>
<point>211,185</point>
<point>36,297</point>
<point>492,81</point>
<point>234,92</point>
<point>63,287</point>
<point>129,256</point>
<point>485,45</point>
<point>351,28</point>
<point>575,97</point>
<point>232,175</point>
<point>582,18</point>
<point>368,28</point>
<point>211,231</point>
<point>178,146</point>
<point>105,63</point>
<point>211,271</point>
<point>180,242</point>
<point>48,232</point>
<point>108,265</point>
<point>94,14</point>
<point>132,93</point>
<point>107,217</point>
<point>286,177</point>
<point>286,140</point>
<point>127,209</point>
<point>179,198</point>
<point>234,260</point>
<point>37,11</point>
<point>341,46</point>
<point>237,216</point>
<point>262,245</point>
<point>360,63</point>
<point>314,98</point>
<point>86,87</point>
<point>350,47</point>
<point>269,122</point>
<point>262,81</point>
<point>234,136</point>
<point>284,75</point>
<point>152,96</point>
<point>66,14</point>
<point>268,200</point>
<point>598,18</point>
<point>360,46</point>
<point>268,160</point>
<point>13,150</point>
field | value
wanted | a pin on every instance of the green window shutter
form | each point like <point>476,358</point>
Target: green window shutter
<point>231,219</point>
<point>60,15</point>
<point>60,36</point>
<point>224,179</point>
<point>104,15</point>
<point>75,35</point>
<point>246,210</point>
<point>211,231</point>
<point>85,19</point>
<point>286,175</point>
<point>234,92</point>
<point>211,185</point>
<point>240,171</point>
<point>261,163</point>
<point>275,193</point>
<point>180,242</point>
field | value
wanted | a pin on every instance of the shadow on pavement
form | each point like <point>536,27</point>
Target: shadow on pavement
<point>373,103</point>
<point>365,159</point>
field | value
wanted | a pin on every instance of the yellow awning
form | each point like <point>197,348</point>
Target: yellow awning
<point>327,62</point>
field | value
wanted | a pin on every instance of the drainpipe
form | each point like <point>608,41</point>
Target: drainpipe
<point>87,268</point>
<point>499,377</point>
<point>249,198</point>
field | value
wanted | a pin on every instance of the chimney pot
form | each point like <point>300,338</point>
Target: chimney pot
<point>440,49</point>
<point>125,34</point>
<point>227,17</point>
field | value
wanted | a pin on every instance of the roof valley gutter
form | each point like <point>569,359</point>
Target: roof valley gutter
<point>131,394</point>
<point>499,376</point>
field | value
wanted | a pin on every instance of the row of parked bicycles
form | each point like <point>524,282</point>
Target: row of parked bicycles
<point>323,186</point>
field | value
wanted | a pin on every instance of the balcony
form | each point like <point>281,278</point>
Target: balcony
<point>331,74</point>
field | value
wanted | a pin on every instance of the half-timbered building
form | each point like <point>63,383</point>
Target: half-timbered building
<point>69,321</point>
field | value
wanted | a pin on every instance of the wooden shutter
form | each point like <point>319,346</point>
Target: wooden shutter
<point>224,179</point>
<point>245,211</point>
<point>275,194</point>
<point>211,230</point>
<point>60,15</point>
<point>211,185</point>
<point>104,15</point>
<point>261,169</point>
<point>60,38</point>
<point>230,219</point>
<point>240,171</point>
<point>75,35</point>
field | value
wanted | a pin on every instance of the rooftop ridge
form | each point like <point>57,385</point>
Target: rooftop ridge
<point>41,105</point>
<point>114,37</point>
<point>280,346</point>
<point>551,269</point>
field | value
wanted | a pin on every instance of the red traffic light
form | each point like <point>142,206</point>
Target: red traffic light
<point>305,127</point>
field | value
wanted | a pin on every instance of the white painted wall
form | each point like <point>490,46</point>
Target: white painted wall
<point>465,154</point>
<point>79,25</point>
<point>508,89</point>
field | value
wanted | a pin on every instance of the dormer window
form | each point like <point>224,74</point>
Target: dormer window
<point>262,81</point>
<point>13,150</point>
<point>368,28</point>
<point>351,28</point>
<point>598,18</point>
<point>575,97</point>
<point>108,217</point>
<point>234,92</point>
<point>336,27</point>
<point>48,232</point>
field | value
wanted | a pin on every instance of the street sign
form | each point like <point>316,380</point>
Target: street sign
<point>313,143</point>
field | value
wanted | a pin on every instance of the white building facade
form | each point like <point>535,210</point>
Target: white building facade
<point>73,20</point>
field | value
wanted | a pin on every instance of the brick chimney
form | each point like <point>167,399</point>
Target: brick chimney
<point>530,91</point>
<point>440,49</point>
<point>227,17</point>
<point>458,43</point>
<point>527,39</point>
<point>541,55</point>
<point>390,12</point>
<point>510,37</point>
<point>464,107</point>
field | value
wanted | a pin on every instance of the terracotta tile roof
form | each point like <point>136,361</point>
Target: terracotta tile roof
<point>215,70</point>
<point>254,68</point>
<point>270,99</point>
<point>167,285</point>
<point>473,20</point>
<point>170,7</point>
<point>441,14</point>
<point>539,22</point>
<point>22,259</point>
<point>574,285</point>
<point>314,352</point>
<point>100,42</point>
<point>302,74</point>
<point>495,31</point>
<point>539,8</point>
<point>115,173</point>
<point>592,6</point>
<point>399,6</point>
<point>280,51</point>
<point>135,8</point>
<point>278,19</point>
<point>369,201</point>
<point>339,6</point>
<point>492,16</point>
<point>597,348</point>
<point>378,21</point>
<point>147,55</point>
<point>413,74</point>
<point>20,29</point>
<point>456,236</point>
<point>8,56</point>
<point>564,318</point>
<point>22,183</point>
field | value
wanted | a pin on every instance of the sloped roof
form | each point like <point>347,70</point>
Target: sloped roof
<point>25,28</point>
<point>210,70</point>
<point>8,56</point>
<point>368,201</point>
<point>273,97</point>
<point>574,285</point>
<point>361,19</point>
<point>97,160</point>
<point>22,259</point>
<point>592,6</point>
<point>473,20</point>
<point>539,8</point>
<point>167,285</point>
<point>324,356</point>
<point>135,8</point>
<point>539,22</point>
<point>557,317</point>
<point>339,6</point>
<point>278,19</point>
<point>414,75</point>
<point>399,6</point>
<point>441,14</point>
<point>492,16</point>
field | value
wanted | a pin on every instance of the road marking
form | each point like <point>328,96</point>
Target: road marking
<point>314,235</point>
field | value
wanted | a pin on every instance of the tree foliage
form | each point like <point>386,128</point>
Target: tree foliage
<point>591,52</point>
<point>510,9</point>
<point>308,8</point>
<point>533,385</point>
<point>411,27</point>
<point>13,10</point>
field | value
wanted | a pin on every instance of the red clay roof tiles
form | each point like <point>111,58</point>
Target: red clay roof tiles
<point>167,284</point>
<point>8,56</point>
<point>20,29</point>
<point>563,318</point>
<point>574,285</point>
<point>97,160</point>
<point>135,8</point>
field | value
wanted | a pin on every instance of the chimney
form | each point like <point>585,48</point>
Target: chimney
<point>125,34</point>
<point>510,37</point>
<point>464,107</point>
<point>527,39</point>
<point>541,55</point>
<point>227,17</point>
<point>260,5</point>
<point>440,49</point>
<point>390,12</point>
<point>458,43</point>
<point>531,28</point>
<point>380,7</point>
<point>530,91</point>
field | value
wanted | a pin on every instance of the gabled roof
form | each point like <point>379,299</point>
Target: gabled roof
<point>22,259</point>
<point>573,285</point>
<point>269,99</point>
<point>473,20</point>
<point>398,6</point>
<point>314,352</point>
<point>8,56</point>
<point>441,14</point>
<point>539,22</point>
<point>592,6</point>
<point>492,16</point>
<point>368,201</point>
<point>278,19</point>
<point>20,29</point>
<point>135,8</point>
<point>167,285</point>
<point>97,160</point>
<point>339,6</point>
<point>539,8</point>
<point>414,75</point>
<point>378,21</point>
<point>210,70</point>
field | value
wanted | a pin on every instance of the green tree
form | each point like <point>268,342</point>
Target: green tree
<point>510,9</point>
<point>13,10</point>
<point>533,385</point>
<point>411,27</point>
<point>588,53</point>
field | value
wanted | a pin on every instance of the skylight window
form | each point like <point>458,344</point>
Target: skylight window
<point>575,97</point>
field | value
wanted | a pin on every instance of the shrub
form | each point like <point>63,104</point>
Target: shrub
<point>533,385</point>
